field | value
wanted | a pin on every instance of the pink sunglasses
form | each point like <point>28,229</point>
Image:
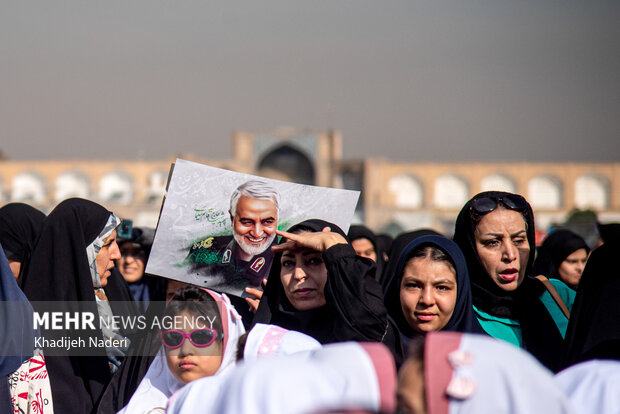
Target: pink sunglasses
<point>198,337</point>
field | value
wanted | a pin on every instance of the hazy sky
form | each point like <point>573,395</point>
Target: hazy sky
<point>524,80</point>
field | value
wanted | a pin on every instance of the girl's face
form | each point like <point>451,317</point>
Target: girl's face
<point>427,294</point>
<point>189,362</point>
<point>571,268</point>
<point>303,275</point>
<point>503,248</point>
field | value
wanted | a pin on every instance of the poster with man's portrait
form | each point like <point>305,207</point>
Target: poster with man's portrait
<point>217,227</point>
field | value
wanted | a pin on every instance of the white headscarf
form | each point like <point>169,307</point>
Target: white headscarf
<point>264,340</point>
<point>110,331</point>
<point>469,373</point>
<point>342,375</point>
<point>159,384</point>
<point>592,386</point>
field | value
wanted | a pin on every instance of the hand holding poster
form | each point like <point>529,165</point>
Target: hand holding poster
<point>217,227</point>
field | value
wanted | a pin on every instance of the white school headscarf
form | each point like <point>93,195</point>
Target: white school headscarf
<point>592,386</point>
<point>469,373</point>
<point>264,340</point>
<point>343,375</point>
<point>159,384</point>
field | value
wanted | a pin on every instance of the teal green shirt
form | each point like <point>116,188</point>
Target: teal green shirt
<point>510,331</point>
<point>568,296</point>
<point>501,328</point>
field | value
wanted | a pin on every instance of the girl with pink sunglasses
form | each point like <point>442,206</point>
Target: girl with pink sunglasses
<point>200,331</point>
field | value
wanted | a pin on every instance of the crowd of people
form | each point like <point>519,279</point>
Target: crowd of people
<point>484,321</point>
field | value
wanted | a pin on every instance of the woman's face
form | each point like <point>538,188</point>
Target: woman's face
<point>410,391</point>
<point>188,362</point>
<point>132,261</point>
<point>106,257</point>
<point>364,248</point>
<point>303,275</point>
<point>427,294</point>
<point>503,248</point>
<point>571,268</point>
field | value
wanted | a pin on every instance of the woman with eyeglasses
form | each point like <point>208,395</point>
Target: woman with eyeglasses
<point>495,231</point>
<point>200,331</point>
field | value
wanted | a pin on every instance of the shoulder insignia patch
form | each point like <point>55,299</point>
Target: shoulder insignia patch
<point>226,256</point>
<point>258,264</point>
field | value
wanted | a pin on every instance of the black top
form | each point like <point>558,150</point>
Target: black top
<point>541,335</point>
<point>59,271</point>
<point>594,327</point>
<point>354,309</point>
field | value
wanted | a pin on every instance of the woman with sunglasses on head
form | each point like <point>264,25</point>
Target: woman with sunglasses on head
<point>200,331</point>
<point>495,231</point>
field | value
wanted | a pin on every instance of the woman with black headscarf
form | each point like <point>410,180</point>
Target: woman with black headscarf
<point>70,265</point>
<point>594,328</point>
<point>495,231</point>
<point>432,290</point>
<point>319,286</point>
<point>364,242</point>
<point>562,256</point>
<point>20,225</point>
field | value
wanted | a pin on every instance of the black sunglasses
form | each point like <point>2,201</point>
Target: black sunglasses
<point>484,205</point>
